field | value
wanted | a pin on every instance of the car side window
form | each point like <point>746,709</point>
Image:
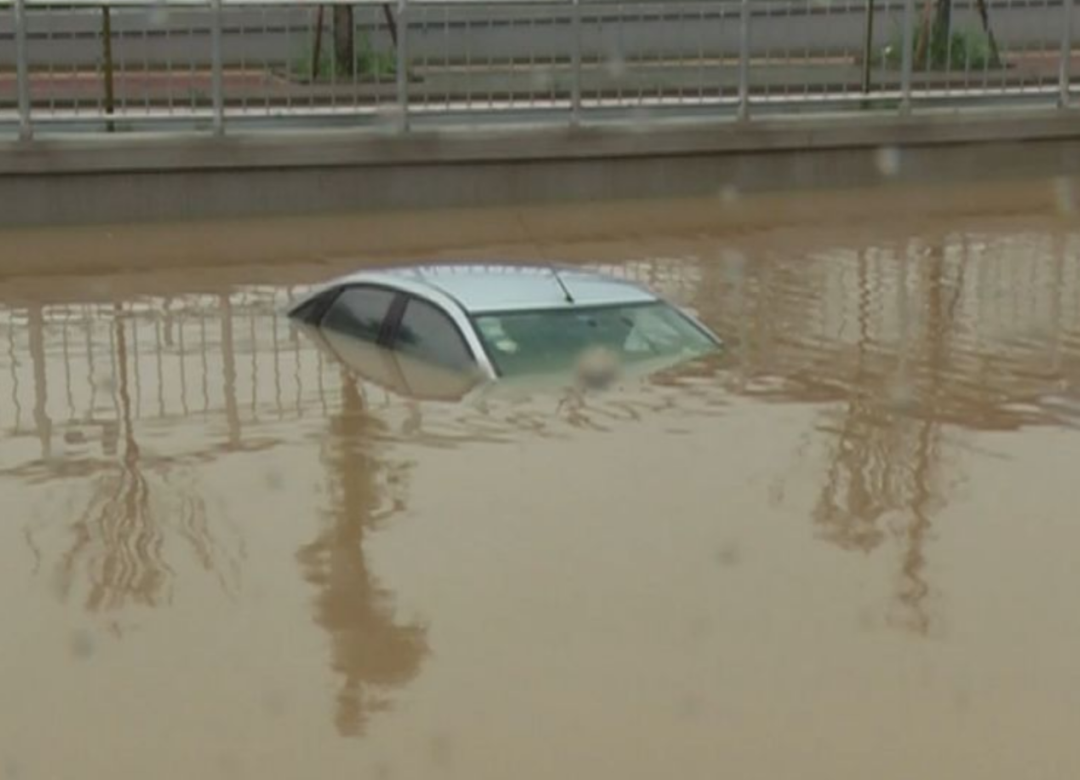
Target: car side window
<point>359,312</point>
<point>426,332</point>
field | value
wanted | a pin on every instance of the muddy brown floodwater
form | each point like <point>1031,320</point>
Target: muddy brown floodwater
<point>845,549</point>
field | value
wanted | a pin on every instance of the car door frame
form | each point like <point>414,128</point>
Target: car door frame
<point>402,290</point>
<point>442,301</point>
<point>395,315</point>
<point>325,299</point>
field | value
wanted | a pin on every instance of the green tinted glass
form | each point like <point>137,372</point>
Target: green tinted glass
<point>538,342</point>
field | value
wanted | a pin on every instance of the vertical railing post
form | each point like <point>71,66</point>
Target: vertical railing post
<point>868,47</point>
<point>1064,66</point>
<point>744,60</point>
<point>907,57</point>
<point>575,63</point>
<point>402,66</point>
<point>217,67</point>
<point>22,71</point>
<point>107,67</point>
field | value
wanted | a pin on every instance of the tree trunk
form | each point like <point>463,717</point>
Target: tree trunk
<point>922,37</point>
<point>984,15</point>
<point>390,23</point>
<point>316,53</point>
<point>344,57</point>
<point>943,18</point>
<point>940,32</point>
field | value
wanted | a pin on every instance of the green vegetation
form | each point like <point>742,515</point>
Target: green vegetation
<point>966,49</point>
<point>370,65</point>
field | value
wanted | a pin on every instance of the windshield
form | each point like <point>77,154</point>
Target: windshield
<point>549,341</point>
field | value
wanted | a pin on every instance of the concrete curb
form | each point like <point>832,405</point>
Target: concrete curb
<point>131,179</point>
<point>157,153</point>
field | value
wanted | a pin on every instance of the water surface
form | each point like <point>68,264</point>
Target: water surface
<point>844,549</point>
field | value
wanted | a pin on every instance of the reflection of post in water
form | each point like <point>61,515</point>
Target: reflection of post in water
<point>862,485</point>
<point>121,535</point>
<point>228,366</point>
<point>42,421</point>
<point>886,459</point>
<point>370,651</point>
<point>13,365</point>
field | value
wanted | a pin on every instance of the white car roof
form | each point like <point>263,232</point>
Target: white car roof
<point>487,288</point>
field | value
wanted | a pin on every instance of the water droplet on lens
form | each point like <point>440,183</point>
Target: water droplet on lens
<point>159,15</point>
<point>734,265</point>
<point>962,698</point>
<point>690,707</point>
<point>615,65</point>
<point>274,702</point>
<point>441,750</point>
<point>82,644</point>
<point>729,555</point>
<point>389,114</point>
<point>729,194</point>
<point>274,479</point>
<point>229,763</point>
<point>1065,197</point>
<point>597,368</point>
<point>99,288</point>
<point>640,117</point>
<point>542,80</point>
<point>866,619</point>
<point>104,383</point>
<point>887,161</point>
<point>901,396</point>
<point>12,770</point>
<point>699,629</point>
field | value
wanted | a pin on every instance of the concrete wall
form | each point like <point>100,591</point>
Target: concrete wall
<point>133,179</point>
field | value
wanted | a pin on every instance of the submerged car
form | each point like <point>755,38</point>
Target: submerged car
<point>438,331</point>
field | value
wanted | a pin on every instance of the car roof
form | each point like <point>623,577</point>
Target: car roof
<point>488,288</point>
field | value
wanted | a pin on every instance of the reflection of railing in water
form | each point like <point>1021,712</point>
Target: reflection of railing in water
<point>141,499</point>
<point>233,356</point>
<point>820,321</point>
<point>901,344</point>
<point>95,376</point>
<point>121,534</point>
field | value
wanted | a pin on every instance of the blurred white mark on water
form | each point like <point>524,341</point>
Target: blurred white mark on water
<point>734,265</point>
<point>1065,196</point>
<point>542,80</point>
<point>12,770</point>
<point>615,65</point>
<point>900,395</point>
<point>389,115</point>
<point>82,644</point>
<point>729,194</point>
<point>641,119</point>
<point>159,14</point>
<point>887,160</point>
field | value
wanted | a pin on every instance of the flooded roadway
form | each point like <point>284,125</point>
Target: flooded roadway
<point>844,549</point>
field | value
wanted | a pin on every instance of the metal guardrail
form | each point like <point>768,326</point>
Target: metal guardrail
<point>212,64</point>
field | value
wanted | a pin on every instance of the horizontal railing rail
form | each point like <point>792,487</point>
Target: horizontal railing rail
<point>209,65</point>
